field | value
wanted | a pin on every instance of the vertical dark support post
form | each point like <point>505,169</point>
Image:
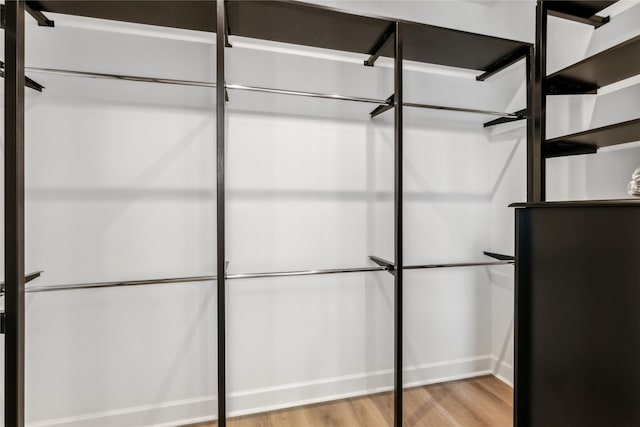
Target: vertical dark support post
<point>397,214</point>
<point>14,213</point>
<point>522,331</point>
<point>221,25</point>
<point>536,128</point>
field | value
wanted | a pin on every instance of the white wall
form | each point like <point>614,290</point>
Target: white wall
<point>121,185</point>
<point>604,175</point>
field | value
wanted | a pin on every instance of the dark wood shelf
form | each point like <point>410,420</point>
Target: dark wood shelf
<point>443,46</point>
<point>581,9</point>
<point>619,133</point>
<point>187,14</point>
<point>307,25</point>
<point>612,65</point>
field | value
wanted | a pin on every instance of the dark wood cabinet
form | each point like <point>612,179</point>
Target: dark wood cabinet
<point>578,314</point>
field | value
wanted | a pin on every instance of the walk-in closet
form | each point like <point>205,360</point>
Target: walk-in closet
<point>319,212</point>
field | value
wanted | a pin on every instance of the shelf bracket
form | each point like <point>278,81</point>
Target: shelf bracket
<point>382,42</point>
<point>382,108</point>
<point>500,257</point>
<point>388,265</point>
<point>29,277</point>
<point>227,43</point>
<point>521,115</point>
<point>563,149</point>
<point>595,20</point>
<point>40,17</point>
<point>567,86</point>
<point>27,81</point>
<point>503,63</point>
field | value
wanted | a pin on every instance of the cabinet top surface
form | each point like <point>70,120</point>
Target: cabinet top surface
<point>579,204</point>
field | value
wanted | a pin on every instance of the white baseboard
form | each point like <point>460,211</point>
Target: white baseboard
<point>245,402</point>
<point>503,371</point>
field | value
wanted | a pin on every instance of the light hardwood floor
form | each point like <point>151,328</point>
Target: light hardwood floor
<point>482,401</point>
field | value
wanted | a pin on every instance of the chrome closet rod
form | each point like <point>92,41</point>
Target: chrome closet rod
<point>457,264</point>
<point>198,279</point>
<point>307,94</point>
<point>255,89</point>
<point>460,109</point>
<point>200,84</point>
<point>109,76</point>
<point>34,289</point>
<point>305,272</point>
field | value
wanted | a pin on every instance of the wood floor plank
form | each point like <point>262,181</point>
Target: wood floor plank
<point>384,404</point>
<point>367,412</point>
<point>420,409</point>
<point>260,420</point>
<point>296,417</point>
<point>333,414</point>
<point>476,402</point>
<point>445,394</point>
<point>493,385</point>
<point>489,408</point>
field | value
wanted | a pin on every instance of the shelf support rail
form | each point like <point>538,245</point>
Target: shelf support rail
<point>40,17</point>
<point>519,115</point>
<point>380,45</point>
<point>387,265</point>
<point>29,277</point>
<point>30,83</point>
<point>503,63</point>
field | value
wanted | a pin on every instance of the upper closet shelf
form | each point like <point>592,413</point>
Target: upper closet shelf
<point>187,14</point>
<point>581,11</point>
<point>589,141</point>
<point>587,76</point>
<point>308,25</point>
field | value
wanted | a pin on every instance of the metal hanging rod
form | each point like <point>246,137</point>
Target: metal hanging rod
<point>385,104</point>
<point>305,272</point>
<point>307,94</point>
<point>198,279</point>
<point>34,289</point>
<point>457,264</point>
<point>109,76</point>
<point>390,103</point>
<point>462,110</point>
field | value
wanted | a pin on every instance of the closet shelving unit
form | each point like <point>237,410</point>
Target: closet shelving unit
<point>576,280</point>
<point>277,21</point>
<point>585,78</point>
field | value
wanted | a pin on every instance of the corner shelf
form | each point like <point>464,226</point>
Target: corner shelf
<point>587,76</point>
<point>590,140</point>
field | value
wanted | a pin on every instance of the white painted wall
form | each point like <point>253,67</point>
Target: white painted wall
<point>120,185</point>
<point>599,176</point>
